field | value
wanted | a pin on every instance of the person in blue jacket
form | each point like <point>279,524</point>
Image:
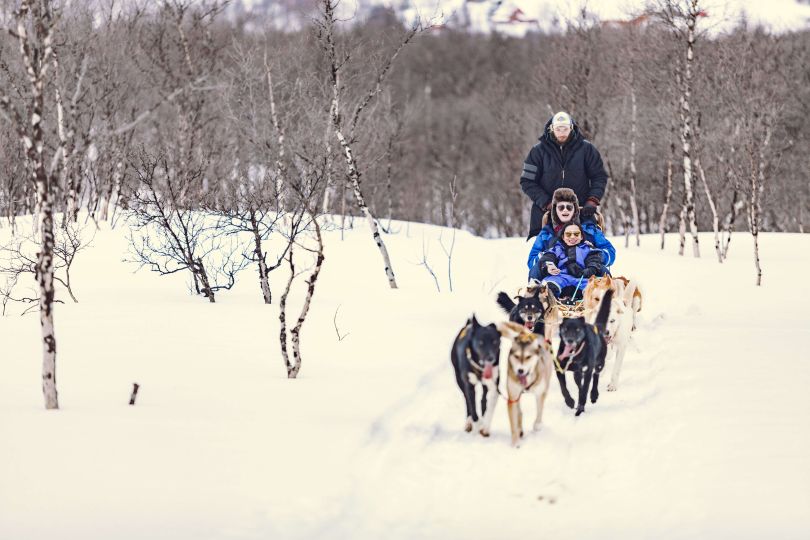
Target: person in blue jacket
<point>567,265</point>
<point>564,209</point>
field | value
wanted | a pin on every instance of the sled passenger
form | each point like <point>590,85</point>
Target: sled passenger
<point>566,267</point>
<point>562,158</point>
<point>564,209</point>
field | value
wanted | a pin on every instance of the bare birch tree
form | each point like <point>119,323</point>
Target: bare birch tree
<point>681,17</point>
<point>345,131</point>
<point>172,238</point>
<point>35,22</point>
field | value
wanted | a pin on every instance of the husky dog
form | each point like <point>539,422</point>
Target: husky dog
<point>529,371</point>
<point>529,309</point>
<point>627,289</point>
<point>582,351</point>
<point>474,356</point>
<point>620,322</point>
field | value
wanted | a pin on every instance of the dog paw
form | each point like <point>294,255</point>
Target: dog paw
<point>579,411</point>
<point>594,397</point>
<point>537,427</point>
<point>570,402</point>
<point>612,387</point>
<point>515,442</point>
<point>468,425</point>
<point>484,432</point>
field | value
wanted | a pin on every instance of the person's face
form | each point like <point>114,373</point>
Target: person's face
<point>565,211</point>
<point>561,133</point>
<point>572,235</point>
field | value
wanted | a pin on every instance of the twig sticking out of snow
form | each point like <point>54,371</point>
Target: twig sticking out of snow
<point>134,395</point>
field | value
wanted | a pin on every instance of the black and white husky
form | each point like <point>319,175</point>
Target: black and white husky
<point>583,348</point>
<point>474,357</point>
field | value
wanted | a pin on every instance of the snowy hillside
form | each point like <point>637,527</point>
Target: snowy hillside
<point>516,17</point>
<point>707,437</point>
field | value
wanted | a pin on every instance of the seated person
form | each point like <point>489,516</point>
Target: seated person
<point>569,262</point>
<point>564,208</point>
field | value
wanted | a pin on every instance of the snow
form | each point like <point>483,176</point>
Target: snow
<point>706,437</point>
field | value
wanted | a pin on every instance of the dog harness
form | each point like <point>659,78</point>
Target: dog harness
<point>510,401</point>
<point>570,357</point>
<point>478,369</point>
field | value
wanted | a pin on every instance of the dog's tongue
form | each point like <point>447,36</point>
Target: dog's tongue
<point>523,380</point>
<point>569,348</point>
<point>487,370</point>
<point>528,325</point>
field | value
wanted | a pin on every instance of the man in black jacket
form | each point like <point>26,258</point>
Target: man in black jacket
<point>562,158</point>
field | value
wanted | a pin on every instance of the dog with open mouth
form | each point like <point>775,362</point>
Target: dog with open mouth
<point>582,351</point>
<point>620,323</point>
<point>475,356</point>
<point>528,372</point>
<point>529,308</point>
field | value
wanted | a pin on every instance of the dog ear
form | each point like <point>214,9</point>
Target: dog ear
<point>474,321</point>
<point>509,329</point>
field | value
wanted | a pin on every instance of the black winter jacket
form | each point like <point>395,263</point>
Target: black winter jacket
<point>576,165</point>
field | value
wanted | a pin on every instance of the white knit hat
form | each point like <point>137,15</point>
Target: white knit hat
<point>561,119</point>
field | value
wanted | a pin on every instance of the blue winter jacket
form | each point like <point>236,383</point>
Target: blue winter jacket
<point>593,234</point>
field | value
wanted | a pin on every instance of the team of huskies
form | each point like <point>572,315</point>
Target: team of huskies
<point>601,328</point>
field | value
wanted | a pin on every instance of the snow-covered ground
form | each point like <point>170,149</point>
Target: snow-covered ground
<point>708,436</point>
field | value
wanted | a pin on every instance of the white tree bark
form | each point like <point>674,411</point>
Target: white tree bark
<point>296,331</point>
<point>662,223</point>
<point>353,174</point>
<point>713,207</point>
<point>37,55</point>
<point>686,127</point>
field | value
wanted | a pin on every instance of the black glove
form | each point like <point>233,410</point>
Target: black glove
<point>547,257</point>
<point>594,258</point>
<point>587,212</point>
<point>597,270</point>
<point>574,269</point>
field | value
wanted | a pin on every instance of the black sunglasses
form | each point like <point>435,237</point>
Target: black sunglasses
<point>565,206</point>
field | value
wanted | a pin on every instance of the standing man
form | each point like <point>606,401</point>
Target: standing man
<point>562,158</point>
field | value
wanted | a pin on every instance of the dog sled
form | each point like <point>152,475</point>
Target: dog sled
<point>570,308</point>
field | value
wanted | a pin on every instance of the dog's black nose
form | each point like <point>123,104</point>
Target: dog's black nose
<point>520,371</point>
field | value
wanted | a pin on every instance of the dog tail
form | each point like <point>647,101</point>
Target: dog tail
<point>505,302</point>
<point>604,312</point>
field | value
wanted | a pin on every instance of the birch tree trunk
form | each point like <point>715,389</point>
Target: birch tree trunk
<point>737,204</point>
<point>753,218</point>
<point>296,331</point>
<point>662,223</point>
<point>353,174</point>
<point>686,127</point>
<point>37,56</point>
<point>264,281</point>
<point>757,185</point>
<point>715,219</point>
<point>282,313</point>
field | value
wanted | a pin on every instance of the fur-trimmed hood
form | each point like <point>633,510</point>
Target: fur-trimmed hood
<point>563,195</point>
